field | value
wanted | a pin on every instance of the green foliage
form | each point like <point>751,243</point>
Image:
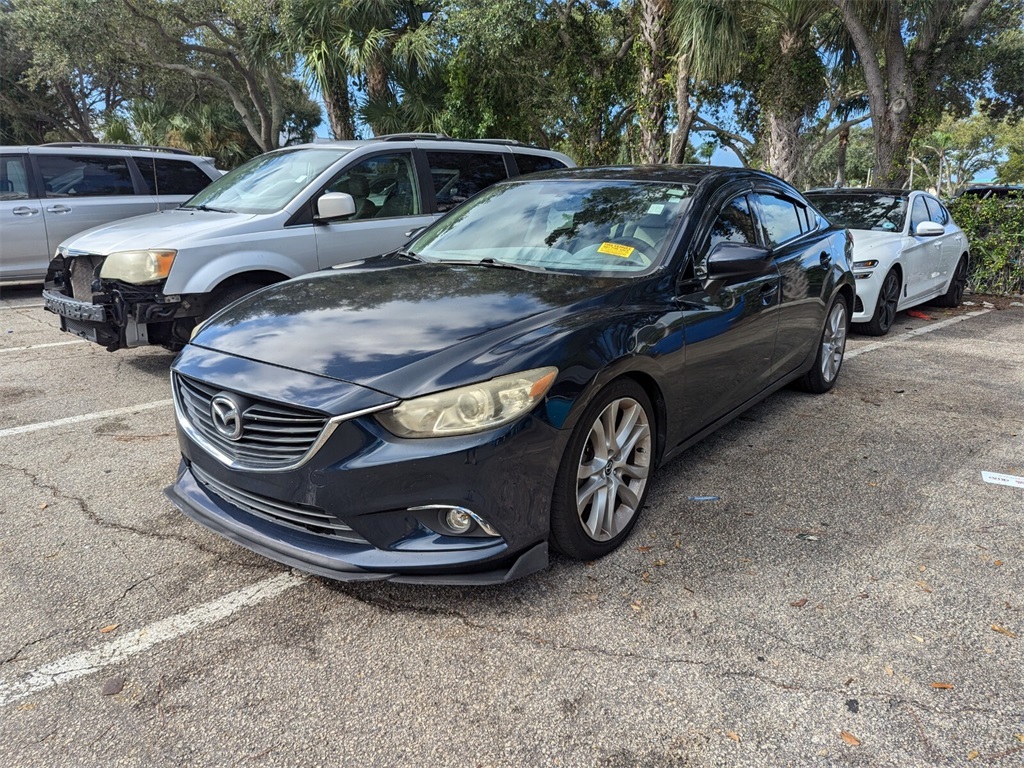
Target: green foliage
<point>995,231</point>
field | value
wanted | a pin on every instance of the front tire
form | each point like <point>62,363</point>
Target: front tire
<point>604,476</point>
<point>885,308</point>
<point>823,374</point>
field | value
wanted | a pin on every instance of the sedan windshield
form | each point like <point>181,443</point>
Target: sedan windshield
<point>267,183</point>
<point>606,227</point>
<point>880,212</point>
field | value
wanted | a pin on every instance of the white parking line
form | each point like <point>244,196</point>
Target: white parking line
<point>41,346</point>
<point>916,332</point>
<point>23,306</point>
<point>89,662</point>
<point>10,431</point>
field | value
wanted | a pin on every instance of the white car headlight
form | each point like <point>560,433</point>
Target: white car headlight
<point>138,267</point>
<point>469,409</point>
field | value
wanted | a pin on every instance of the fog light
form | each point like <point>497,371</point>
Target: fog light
<point>458,520</point>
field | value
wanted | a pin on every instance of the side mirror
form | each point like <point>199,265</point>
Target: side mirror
<point>929,229</point>
<point>737,260</point>
<point>335,205</point>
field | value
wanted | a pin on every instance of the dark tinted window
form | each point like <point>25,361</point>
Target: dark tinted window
<point>536,163</point>
<point>781,218</point>
<point>84,176</point>
<point>734,225</point>
<point>173,177</point>
<point>457,176</point>
<point>862,211</point>
<point>13,178</point>
<point>918,213</point>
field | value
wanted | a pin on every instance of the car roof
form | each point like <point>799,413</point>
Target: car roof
<point>860,191</point>
<point>677,174</point>
<point>350,144</point>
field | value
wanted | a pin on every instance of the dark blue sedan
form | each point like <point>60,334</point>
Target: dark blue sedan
<point>510,381</point>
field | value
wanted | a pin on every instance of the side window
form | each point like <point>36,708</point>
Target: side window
<point>535,163</point>
<point>937,212</point>
<point>781,218</point>
<point>918,213</point>
<point>734,225</point>
<point>457,176</point>
<point>383,186</point>
<point>171,177</point>
<point>85,176</point>
<point>13,178</point>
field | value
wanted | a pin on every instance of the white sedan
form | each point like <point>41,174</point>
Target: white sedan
<point>906,250</point>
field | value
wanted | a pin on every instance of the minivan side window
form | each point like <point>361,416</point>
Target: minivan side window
<point>13,178</point>
<point>382,186</point>
<point>85,176</point>
<point>528,163</point>
<point>781,218</point>
<point>457,176</point>
<point>171,177</point>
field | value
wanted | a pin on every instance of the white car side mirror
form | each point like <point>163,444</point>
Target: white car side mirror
<point>335,205</point>
<point>929,229</point>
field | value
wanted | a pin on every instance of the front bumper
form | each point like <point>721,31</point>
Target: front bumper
<point>868,283</point>
<point>81,318</point>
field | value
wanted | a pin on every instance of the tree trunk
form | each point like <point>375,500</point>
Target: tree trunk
<point>844,144</point>
<point>339,109</point>
<point>684,113</point>
<point>783,150</point>
<point>651,97</point>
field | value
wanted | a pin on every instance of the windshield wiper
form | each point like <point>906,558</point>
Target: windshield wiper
<point>411,255</point>
<point>210,208</point>
<point>489,262</point>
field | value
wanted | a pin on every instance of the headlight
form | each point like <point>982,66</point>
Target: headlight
<point>469,409</point>
<point>865,264</point>
<point>138,267</point>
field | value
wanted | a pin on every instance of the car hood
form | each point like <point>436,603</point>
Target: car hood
<point>869,239</point>
<point>402,328</point>
<point>167,229</point>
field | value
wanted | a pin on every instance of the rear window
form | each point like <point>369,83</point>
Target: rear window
<point>85,176</point>
<point>875,211</point>
<point>171,177</point>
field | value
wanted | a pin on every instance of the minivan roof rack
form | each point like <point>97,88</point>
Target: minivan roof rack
<point>446,137</point>
<point>92,145</point>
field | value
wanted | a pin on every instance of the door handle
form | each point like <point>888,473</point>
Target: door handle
<point>768,292</point>
<point>24,210</point>
<point>58,209</point>
<point>825,259</point>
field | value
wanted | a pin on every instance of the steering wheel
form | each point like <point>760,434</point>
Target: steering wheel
<point>641,248</point>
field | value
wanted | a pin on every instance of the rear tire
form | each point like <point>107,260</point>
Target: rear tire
<point>957,283</point>
<point>827,363</point>
<point>605,473</point>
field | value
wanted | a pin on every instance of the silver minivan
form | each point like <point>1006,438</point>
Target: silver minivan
<point>51,192</point>
<point>151,279</point>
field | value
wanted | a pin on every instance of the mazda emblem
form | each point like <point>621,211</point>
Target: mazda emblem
<point>227,416</point>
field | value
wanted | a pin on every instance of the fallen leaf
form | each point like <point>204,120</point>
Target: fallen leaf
<point>645,576</point>
<point>889,670</point>
<point>109,628</point>
<point>997,562</point>
<point>943,686</point>
<point>636,606</point>
<point>1003,631</point>
<point>873,485</point>
<point>1019,737</point>
<point>44,505</point>
<point>28,707</point>
<point>799,603</point>
<point>733,735</point>
<point>850,739</point>
<point>644,549</point>
<point>918,638</point>
<point>677,545</point>
<point>922,568</point>
<point>659,563</point>
<point>924,587</point>
<point>973,754</point>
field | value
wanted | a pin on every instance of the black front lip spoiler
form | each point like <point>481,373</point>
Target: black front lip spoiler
<point>190,497</point>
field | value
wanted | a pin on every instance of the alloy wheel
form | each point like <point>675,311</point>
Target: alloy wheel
<point>613,469</point>
<point>888,300</point>
<point>833,342</point>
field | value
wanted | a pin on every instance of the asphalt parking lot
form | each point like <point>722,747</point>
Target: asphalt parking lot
<point>826,581</point>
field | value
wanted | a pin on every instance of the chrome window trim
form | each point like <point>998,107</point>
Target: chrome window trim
<point>332,423</point>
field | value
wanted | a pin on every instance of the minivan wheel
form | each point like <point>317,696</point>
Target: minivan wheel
<point>823,374</point>
<point>604,475</point>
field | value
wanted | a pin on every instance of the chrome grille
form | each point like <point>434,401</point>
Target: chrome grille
<point>310,519</point>
<point>273,436</point>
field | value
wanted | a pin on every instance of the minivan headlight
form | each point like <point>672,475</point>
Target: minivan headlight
<point>474,408</point>
<point>138,267</point>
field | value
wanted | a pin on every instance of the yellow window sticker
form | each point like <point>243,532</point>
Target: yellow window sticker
<point>614,249</point>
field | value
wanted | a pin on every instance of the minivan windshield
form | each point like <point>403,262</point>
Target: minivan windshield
<point>267,183</point>
<point>610,227</point>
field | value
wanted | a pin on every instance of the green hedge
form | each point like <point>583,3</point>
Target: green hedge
<point>995,231</point>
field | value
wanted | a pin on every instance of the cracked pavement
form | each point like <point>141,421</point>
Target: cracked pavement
<point>819,567</point>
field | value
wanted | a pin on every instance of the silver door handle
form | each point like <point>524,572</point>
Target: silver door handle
<point>58,209</point>
<point>24,210</point>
